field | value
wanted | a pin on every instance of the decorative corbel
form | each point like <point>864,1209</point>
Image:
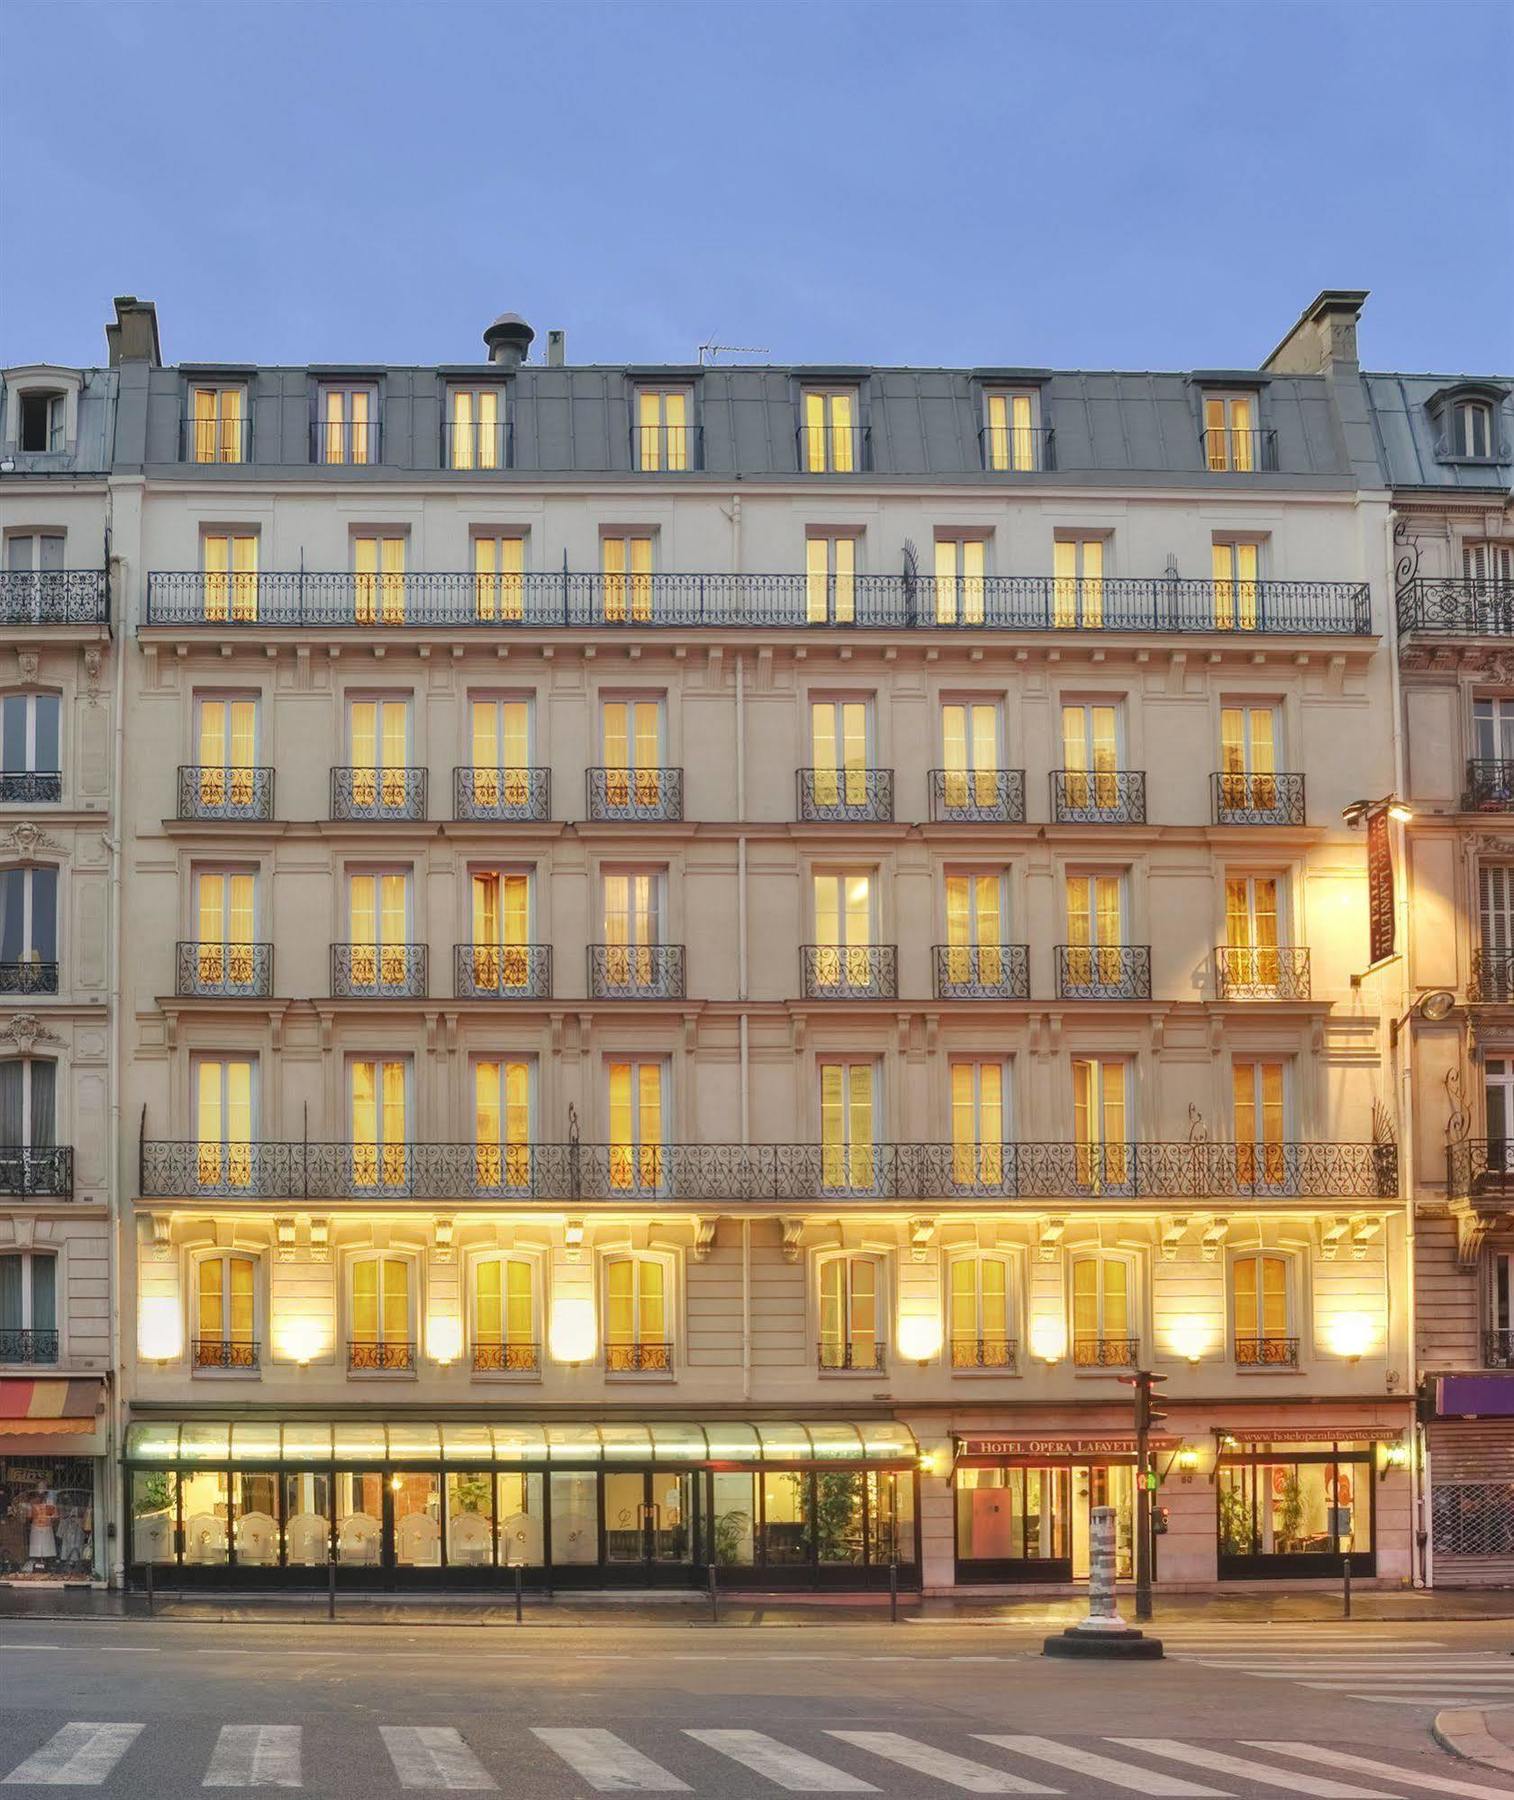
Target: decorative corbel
<point>1049,1239</point>
<point>1471,1228</point>
<point>1173,1229</point>
<point>284,1230</point>
<point>1213,1240</point>
<point>704,1234</point>
<point>1363,1229</point>
<point>160,1226</point>
<point>793,1230</point>
<point>442,1247</point>
<point>320,1240</point>
<point>573,1240</point>
<point>1332,1234</point>
<point>921,1231</point>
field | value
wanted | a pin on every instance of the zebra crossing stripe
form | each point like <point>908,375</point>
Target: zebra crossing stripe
<point>956,1771</point>
<point>1365,1765</point>
<point>255,1756</point>
<point>1242,1768</point>
<point>77,1755</point>
<point>434,1756</point>
<point>1104,1768</point>
<point>780,1763</point>
<point>608,1763</point>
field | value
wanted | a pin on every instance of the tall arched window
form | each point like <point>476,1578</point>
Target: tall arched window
<point>638,1312</point>
<point>226,1312</point>
<point>851,1313</point>
<point>979,1310</point>
<point>382,1314</point>
<point>505,1338</point>
<point>1264,1335</point>
<point>1103,1312</point>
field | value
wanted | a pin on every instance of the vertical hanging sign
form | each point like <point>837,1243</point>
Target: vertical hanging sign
<point>1380,908</point>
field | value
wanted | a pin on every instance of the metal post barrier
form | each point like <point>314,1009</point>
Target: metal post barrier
<point>714,1597</point>
<point>1346,1585</point>
<point>149,1588</point>
<point>330,1587</point>
<point>519,1577</point>
<point>893,1587</point>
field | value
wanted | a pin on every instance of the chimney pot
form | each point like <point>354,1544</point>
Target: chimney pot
<point>133,336</point>
<point>508,340</point>
<point>557,347</point>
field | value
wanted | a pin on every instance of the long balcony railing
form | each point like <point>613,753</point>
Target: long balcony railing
<point>1268,1352</point>
<point>1098,797</point>
<point>539,600</point>
<point>210,792</point>
<point>37,1174</point>
<point>761,1172</point>
<point>1492,977</point>
<point>30,976</point>
<point>1258,799</point>
<point>1490,785</point>
<point>977,796</point>
<point>1103,971</point>
<point>31,787</point>
<point>53,597</point>
<point>379,794</point>
<point>1261,972</point>
<point>982,971</point>
<point>849,971</point>
<point>224,971</point>
<point>379,971</point>
<point>502,971</point>
<point>846,796</point>
<point>634,796</point>
<point>27,1344</point>
<point>501,794</point>
<point>1431,605</point>
<point>636,972</point>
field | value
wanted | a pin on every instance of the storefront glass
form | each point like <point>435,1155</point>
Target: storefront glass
<point>307,1519</point>
<point>1294,1513</point>
<point>521,1515</point>
<point>1014,1515</point>
<point>575,1517</point>
<point>359,1519</point>
<point>47,1516</point>
<point>786,1519</point>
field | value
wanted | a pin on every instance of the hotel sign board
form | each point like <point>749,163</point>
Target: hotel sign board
<point>1053,1448</point>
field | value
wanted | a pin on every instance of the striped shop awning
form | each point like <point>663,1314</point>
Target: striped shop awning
<point>49,1406</point>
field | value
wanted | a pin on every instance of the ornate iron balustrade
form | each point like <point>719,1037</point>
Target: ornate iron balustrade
<point>643,796</point>
<point>764,1172</point>
<point>1261,972</point>
<point>638,1359</point>
<point>1490,786</point>
<point>846,796</point>
<point>1475,1167</point>
<point>1258,799</point>
<point>1098,797</point>
<point>1104,972</point>
<point>1229,450</point>
<point>379,971</point>
<point>636,972</point>
<point>1492,977</point>
<point>849,971</point>
<point>1105,1352</point>
<point>1266,1352</point>
<point>982,971</point>
<point>501,794</point>
<point>53,597</point>
<point>1498,1349</point>
<point>28,977</point>
<point>382,794</point>
<point>506,1359</point>
<point>1017,449</point>
<point>388,1359</point>
<point>244,795</point>
<point>26,1344</point>
<point>31,787</point>
<point>502,971</point>
<point>224,971</point>
<point>667,449</point>
<point>977,796</point>
<point>537,601</point>
<point>225,1353</point>
<point>985,1353</point>
<point>858,1356</point>
<point>1456,607</point>
<point>33,1174</point>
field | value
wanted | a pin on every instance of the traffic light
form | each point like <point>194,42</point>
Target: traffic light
<point>1159,1516</point>
<point>1149,1416</point>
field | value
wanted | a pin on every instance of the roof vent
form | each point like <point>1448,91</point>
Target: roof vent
<point>508,339</point>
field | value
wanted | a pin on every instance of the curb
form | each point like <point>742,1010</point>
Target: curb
<point>1463,1730</point>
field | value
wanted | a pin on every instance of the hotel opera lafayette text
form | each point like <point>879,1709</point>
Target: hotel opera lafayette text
<point>647,975</point>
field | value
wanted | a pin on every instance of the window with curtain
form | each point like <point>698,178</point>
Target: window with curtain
<point>626,563</point>
<point>501,927</point>
<point>34,552</point>
<point>28,1306</point>
<point>504,1315</point>
<point>1263,1330</point>
<point>1261,1128</point>
<point>502,1109</point>
<point>1099,1108</point>
<point>1077,588</point>
<point>378,588</point>
<point>381,1301</point>
<point>848,1147</point>
<point>662,429</point>
<point>499,565</point>
<point>633,928</point>
<point>1498,1105</point>
<point>348,420</point>
<point>971,734</point>
<point>1498,1309</point>
<point>30,745</point>
<point>830,579</point>
<point>225,1324</point>
<point>226,926</point>
<point>28,925</point>
<point>1248,756</point>
<point>216,419</point>
<point>378,732</point>
<point>830,433</point>
<point>976,921</point>
<point>500,732</point>
<point>1095,928</point>
<point>1090,755</point>
<point>637,1338</point>
<point>378,927</point>
<point>1252,932</point>
<point>960,564</point>
<point>28,1095</point>
<point>229,560</point>
<point>840,738</point>
<point>851,1320</point>
<point>1236,565</point>
<point>1010,431</point>
<point>226,747</point>
<point>378,1090</point>
<point>476,418</point>
<point>637,1123</point>
<point>633,740</point>
<point>224,1121</point>
<point>978,1310</point>
<point>979,1105</point>
<point>1229,432</point>
<point>844,927</point>
<point>1101,1311</point>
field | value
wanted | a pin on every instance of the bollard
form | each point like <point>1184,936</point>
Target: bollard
<point>1346,1585</point>
<point>149,1588</point>
<point>714,1597</point>
<point>519,1575</point>
<point>893,1587</point>
<point>331,1587</point>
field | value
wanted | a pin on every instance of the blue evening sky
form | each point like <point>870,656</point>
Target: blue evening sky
<point>1119,185</point>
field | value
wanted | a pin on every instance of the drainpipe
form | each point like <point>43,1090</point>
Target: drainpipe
<point>741,969</point>
<point>115,1208</point>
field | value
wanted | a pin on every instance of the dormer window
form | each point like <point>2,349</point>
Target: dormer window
<point>1233,441</point>
<point>664,434</point>
<point>1012,435</point>
<point>1466,420</point>
<point>42,419</point>
<point>217,423</point>
<point>831,440</point>
<point>1472,428</point>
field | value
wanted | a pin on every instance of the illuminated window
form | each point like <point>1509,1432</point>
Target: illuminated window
<point>840,745</point>
<point>830,564</point>
<point>851,1313</point>
<point>1077,589</point>
<point>378,563</point>
<point>976,915</point>
<point>1099,1108</point>
<point>1261,1128</point>
<point>1252,932</point>
<point>226,746</point>
<point>637,1338</point>
<point>217,417</point>
<point>1230,435</point>
<point>381,1307</point>
<point>633,752</point>
<point>378,736</point>
<point>501,928</point>
<point>959,580</point>
<point>224,1097</point>
<point>378,928</point>
<point>499,583</point>
<point>845,929</point>
<point>971,731</point>
<point>1091,739</point>
<point>1095,929</point>
<point>1010,437</point>
<point>978,1311</point>
<point>475,428</point>
<point>229,561</point>
<point>504,1315</point>
<point>1260,1303</point>
<point>830,436</point>
<point>500,730</point>
<point>503,1105</point>
<point>662,429</point>
<point>980,1129</point>
<point>637,1123</point>
<point>1248,756</point>
<point>378,1110</point>
<point>1101,1311</point>
<point>1236,594</point>
<point>347,429</point>
<point>225,1323</point>
<point>848,1146</point>
<point>627,568</point>
<point>633,925</point>
<point>226,926</point>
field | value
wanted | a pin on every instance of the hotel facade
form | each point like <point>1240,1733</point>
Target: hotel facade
<point>709,956</point>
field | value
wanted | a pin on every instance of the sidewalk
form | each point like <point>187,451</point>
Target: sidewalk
<point>1484,1735</point>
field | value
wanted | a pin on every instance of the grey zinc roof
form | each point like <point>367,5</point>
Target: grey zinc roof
<point>1408,438</point>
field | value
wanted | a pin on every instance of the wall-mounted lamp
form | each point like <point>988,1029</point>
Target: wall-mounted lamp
<point>1359,811</point>
<point>1395,1456</point>
<point>1188,1462</point>
<point>1432,1006</point>
<point>930,1463</point>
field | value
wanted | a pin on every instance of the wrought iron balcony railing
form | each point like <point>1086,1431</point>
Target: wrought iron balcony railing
<point>1105,1352</point>
<point>501,794</point>
<point>849,971</point>
<point>642,796</point>
<point>1490,786</point>
<point>667,449</point>
<point>1492,977</point>
<point>978,796</point>
<point>1098,797</point>
<point>1104,972</point>
<point>29,977</point>
<point>1498,1349</point>
<point>636,972</point>
<point>1258,799</point>
<point>982,971</point>
<point>1266,1352</point>
<point>481,448</point>
<point>31,787</point>
<point>1431,605</point>
<point>27,1344</point>
<point>367,1357</point>
<point>502,971</point>
<point>215,440</point>
<point>1476,1167</point>
<point>53,597</point>
<point>33,1174</point>
<point>208,792</point>
<point>506,1359</point>
<point>846,796</point>
<point>353,443</point>
<point>265,1170</point>
<point>1017,449</point>
<point>1229,450</point>
<point>1000,1353</point>
<point>536,601</point>
<point>1261,972</point>
<point>379,971</point>
<point>638,1359</point>
<point>383,794</point>
<point>858,1355</point>
<point>834,449</point>
<point>224,971</point>
<point>224,1353</point>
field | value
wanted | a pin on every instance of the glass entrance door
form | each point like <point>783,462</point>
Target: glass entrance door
<point>648,1521</point>
<point>1104,1484</point>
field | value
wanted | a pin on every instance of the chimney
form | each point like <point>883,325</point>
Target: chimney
<point>1325,336</point>
<point>557,347</point>
<point>134,335</point>
<point>508,340</point>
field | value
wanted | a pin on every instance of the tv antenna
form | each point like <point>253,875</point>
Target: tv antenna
<point>709,351</point>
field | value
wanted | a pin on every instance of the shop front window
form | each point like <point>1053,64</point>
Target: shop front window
<point>575,1518</point>
<point>519,1512</point>
<point>47,1516</point>
<point>307,1519</point>
<point>1013,1515</point>
<point>417,1520</point>
<point>154,1514</point>
<point>787,1521</point>
<point>205,1505</point>
<point>733,1520</point>
<point>359,1519</point>
<point>1273,1510</point>
<point>839,1516</point>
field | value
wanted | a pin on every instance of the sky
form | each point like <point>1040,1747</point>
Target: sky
<point>1074,184</point>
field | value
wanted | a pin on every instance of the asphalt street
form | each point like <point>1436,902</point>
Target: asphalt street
<point>164,1708</point>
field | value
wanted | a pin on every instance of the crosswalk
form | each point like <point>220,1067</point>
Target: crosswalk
<point>443,1759</point>
<point>1394,1671</point>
